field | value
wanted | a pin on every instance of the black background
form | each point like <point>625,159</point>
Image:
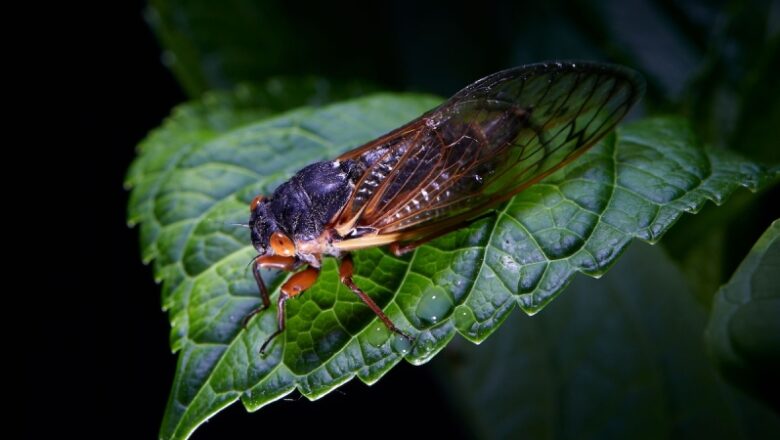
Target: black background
<point>101,365</point>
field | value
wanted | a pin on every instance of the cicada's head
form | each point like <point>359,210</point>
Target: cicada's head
<point>267,236</point>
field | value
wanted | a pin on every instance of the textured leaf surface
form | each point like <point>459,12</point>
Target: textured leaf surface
<point>634,184</point>
<point>620,357</point>
<point>744,329</point>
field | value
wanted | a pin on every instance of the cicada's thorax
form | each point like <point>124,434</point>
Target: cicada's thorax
<point>303,207</point>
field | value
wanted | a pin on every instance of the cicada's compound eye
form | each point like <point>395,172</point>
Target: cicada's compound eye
<point>282,245</point>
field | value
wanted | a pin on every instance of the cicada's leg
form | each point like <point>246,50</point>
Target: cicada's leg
<point>294,286</point>
<point>345,273</point>
<point>271,262</point>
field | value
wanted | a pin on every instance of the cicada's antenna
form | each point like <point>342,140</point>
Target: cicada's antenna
<point>215,221</point>
<point>243,225</point>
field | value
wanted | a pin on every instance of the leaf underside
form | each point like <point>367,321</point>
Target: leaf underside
<point>193,178</point>
<point>743,334</point>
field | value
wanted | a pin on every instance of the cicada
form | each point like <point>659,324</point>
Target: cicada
<point>437,173</point>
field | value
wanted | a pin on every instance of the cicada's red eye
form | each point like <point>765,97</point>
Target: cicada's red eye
<point>282,245</point>
<point>256,201</point>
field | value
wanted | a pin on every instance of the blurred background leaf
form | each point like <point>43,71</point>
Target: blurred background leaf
<point>620,357</point>
<point>743,334</point>
<point>217,47</point>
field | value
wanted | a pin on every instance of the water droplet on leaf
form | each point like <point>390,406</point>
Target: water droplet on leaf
<point>434,306</point>
<point>378,335</point>
<point>401,344</point>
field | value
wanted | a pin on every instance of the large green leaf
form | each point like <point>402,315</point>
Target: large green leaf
<point>744,329</point>
<point>634,184</point>
<point>616,358</point>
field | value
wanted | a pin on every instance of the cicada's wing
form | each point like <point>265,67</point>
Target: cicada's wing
<point>482,146</point>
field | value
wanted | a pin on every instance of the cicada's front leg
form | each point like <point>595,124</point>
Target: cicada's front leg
<point>268,262</point>
<point>294,286</point>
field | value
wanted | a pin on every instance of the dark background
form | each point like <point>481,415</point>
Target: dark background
<point>107,366</point>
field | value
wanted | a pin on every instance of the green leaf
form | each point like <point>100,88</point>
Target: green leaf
<point>619,357</point>
<point>241,41</point>
<point>743,334</point>
<point>209,48</point>
<point>633,184</point>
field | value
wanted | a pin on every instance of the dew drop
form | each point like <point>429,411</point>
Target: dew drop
<point>433,306</point>
<point>378,335</point>
<point>464,318</point>
<point>401,345</point>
